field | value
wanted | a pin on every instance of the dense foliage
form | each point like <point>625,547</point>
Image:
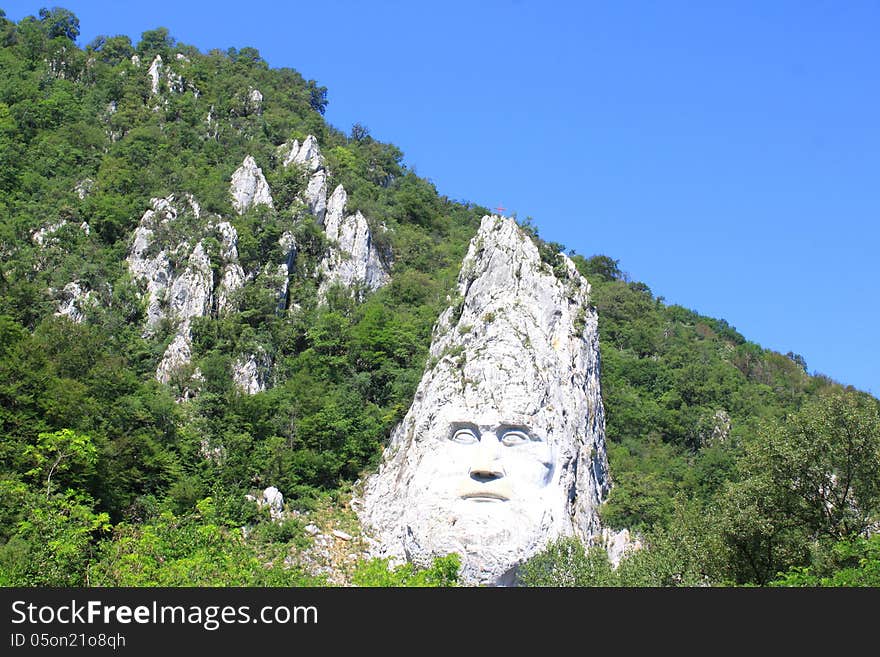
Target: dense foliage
<point>85,141</point>
<point>106,479</point>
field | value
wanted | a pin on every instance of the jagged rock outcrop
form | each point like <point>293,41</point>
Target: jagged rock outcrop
<point>189,297</point>
<point>308,155</point>
<point>503,448</point>
<point>619,544</point>
<point>159,71</point>
<point>233,277</point>
<point>274,501</point>
<point>181,293</point>
<point>254,103</point>
<point>74,300</point>
<point>316,195</point>
<point>251,373</point>
<point>353,258</point>
<point>249,187</point>
<point>84,187</point>
<point>155,74</point>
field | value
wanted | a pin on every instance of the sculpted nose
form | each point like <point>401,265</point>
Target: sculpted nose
<point>485,465</point>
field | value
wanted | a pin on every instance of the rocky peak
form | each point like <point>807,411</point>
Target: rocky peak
<point>159,70</point>
<point>353,258</point>
<point>249,187</point>
<point>180,293</point>
<point>155,73</point>
<point>254,103</point>
<point>308,155</point>
<point>503,448</point>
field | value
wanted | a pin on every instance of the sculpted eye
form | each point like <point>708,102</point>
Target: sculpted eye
<point>513,437</point>
<point>464,437</point>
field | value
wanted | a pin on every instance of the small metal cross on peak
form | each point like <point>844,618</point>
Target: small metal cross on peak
<point>500,209</point>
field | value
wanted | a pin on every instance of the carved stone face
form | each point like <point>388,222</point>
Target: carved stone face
<point>490,460</point>
<point>502,448</point>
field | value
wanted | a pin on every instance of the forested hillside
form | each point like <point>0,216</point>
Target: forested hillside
<point>731,461</point>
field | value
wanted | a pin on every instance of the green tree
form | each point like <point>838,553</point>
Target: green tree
<point>566,562</point>
<point>60,22</point>
<point>59,452</point>
<point>806,481</point>
<point>443,572</point>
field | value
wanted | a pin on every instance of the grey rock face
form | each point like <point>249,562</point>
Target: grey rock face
<point>233,278</point>
<point>251,373</point>
<point>84,187</point>
<point>155,73</point>
<point>150,265</point>
<point>255,102</point>
<point>180,294</point>
<point>74,299</point>
<point>308,156</point>
<point>249,187</point>
<point>189,297</point>
<point>45,236</point>
<point>178,354</point>
<point>316,195</point>
<point>353,257</point>
<point>274,500</point>
<point>619,544</point>
<point>159,70</point>
<point>503,448</point>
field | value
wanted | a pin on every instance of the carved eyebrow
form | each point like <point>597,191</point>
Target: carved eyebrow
<point>458,426</point>
<point>513,426</point>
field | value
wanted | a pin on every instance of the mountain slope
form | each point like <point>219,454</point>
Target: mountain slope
<point>206,290</point>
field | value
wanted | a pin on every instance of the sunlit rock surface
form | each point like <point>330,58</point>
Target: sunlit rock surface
<point>503,448</point>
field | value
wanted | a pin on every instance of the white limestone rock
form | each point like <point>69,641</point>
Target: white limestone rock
<point>175,82</point>
<point>316,195</point>
<point>353,258</point>
<point>250,373</point>
<point>249,187</point>
<point>155,74</point>
<point>178,354</point>
<point>233,277</point>
<point>190,292</point>
<point>274,500</point>
<point>619,544</point>
<point>308,155</point>
<point>189,297</point>
<point>42,236</point>
<point>84,187</point>
<point>153,270</point>
<point>503,448</point>
<point>254,102</point>
<point>74,300</point>
<point>181,294</point>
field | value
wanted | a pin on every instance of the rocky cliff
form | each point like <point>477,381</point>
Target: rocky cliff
<point>503,448</point>
<point>181,280</point>
<point>352,258</point>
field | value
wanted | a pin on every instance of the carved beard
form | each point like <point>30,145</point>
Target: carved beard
<point>487,536</point>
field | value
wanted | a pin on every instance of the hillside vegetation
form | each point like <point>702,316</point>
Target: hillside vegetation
<point>731,461</point>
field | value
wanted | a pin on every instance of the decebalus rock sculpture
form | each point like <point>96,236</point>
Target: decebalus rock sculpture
<point>503,448</point>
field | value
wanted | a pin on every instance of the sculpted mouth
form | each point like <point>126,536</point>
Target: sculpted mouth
<point>484,496</point>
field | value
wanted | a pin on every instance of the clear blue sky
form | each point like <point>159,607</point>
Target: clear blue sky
<point>728,153</point>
